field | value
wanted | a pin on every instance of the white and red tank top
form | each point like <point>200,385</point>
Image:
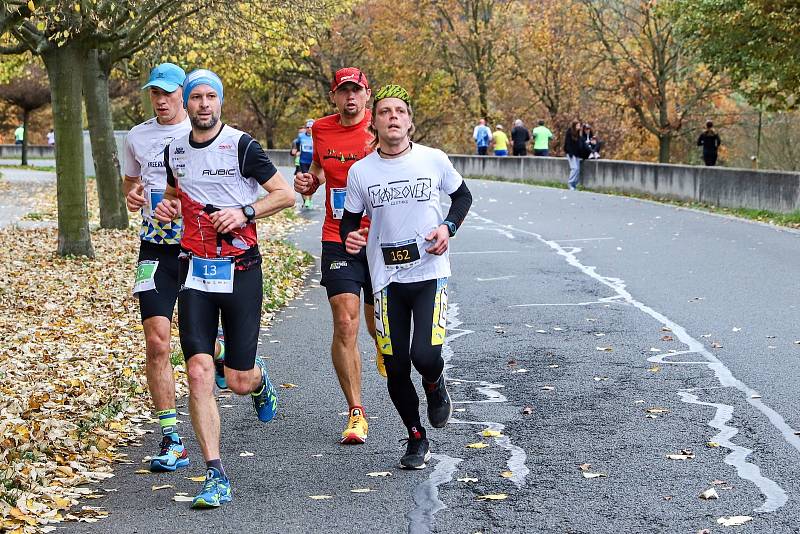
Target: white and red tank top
<point>225,172</point>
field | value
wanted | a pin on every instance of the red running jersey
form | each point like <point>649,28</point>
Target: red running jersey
<point>336,148</point>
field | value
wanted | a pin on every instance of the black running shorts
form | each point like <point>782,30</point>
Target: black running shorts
<point>199,313</point>
<point>345,273</point>
<point>160,302</point>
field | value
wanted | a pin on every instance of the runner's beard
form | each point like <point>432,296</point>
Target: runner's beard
<point>196,122</point>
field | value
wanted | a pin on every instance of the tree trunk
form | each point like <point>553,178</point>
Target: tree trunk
<point>25,117</point>
<point>113,213</point>
<point>664,144</point>
<point>64,66</point>
<point>269,132</point>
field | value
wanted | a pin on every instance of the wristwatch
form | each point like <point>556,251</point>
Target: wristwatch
<point>451,227</point>
<point>249,212</point>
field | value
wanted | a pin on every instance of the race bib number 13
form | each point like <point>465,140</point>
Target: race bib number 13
<point>211,275</point>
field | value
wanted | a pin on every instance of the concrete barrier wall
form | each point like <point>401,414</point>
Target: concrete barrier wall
<point>34,151</point>
<point>731,188</point>
<point>719,186</point>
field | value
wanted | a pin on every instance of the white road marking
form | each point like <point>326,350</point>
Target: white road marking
<point>583,239</point>
<point>774,495</point>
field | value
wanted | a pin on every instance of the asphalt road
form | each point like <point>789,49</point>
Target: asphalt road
<point>630,330</point>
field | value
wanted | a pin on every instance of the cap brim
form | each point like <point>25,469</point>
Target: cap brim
<point>169,87</point>
<point>350,81</point>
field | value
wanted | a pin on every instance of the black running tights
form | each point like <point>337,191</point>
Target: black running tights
<point>396,306</point>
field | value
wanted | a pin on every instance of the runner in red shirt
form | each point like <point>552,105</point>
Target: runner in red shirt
<point>339,141</point>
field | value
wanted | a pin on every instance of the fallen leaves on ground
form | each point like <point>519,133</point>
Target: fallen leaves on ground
<point>73,387</point>
<point>734,521</point>
<point>685,454</point>
<point>709,494</point>
<point>478,445</point>
<point>491,433</point>
<point>587,474</point>
<point>493,497</point>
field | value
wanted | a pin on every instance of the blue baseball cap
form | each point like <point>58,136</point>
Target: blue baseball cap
<point>201,77</point>
<point>166,76</point>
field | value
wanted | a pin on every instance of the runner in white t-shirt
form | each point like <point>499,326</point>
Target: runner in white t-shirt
<point>156,283</point>
<point>400,187</point>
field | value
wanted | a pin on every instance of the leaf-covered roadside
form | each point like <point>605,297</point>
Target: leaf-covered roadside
<point>72,385</point>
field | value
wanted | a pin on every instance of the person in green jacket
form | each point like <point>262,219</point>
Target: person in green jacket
<point>541,140</point>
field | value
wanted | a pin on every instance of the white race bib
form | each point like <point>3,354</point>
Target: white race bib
<point>211,275</point>
<point>401,254</point>
<point>154,196</point>
<point>338,195</point>
<point>145,276</point>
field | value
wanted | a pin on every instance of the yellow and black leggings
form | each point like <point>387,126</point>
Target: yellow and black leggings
<point>396,306</point>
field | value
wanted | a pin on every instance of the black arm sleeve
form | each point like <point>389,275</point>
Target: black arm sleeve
<point>253,161</point>
<point>170,176</point>
<point>350,223</point>
<point>460,202</point>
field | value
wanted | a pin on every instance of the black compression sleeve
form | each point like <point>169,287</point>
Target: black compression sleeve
<point>350,223</point>
<point>170,176</point>
<point>460,202</point>
<point>253,161</point>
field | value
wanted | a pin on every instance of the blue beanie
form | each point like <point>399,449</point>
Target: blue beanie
<point>201,77</point>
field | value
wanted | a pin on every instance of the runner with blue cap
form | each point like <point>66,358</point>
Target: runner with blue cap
<point>156,283</point>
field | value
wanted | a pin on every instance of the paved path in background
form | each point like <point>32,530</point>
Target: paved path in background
<point>631,331</point>
<point>16,200</point>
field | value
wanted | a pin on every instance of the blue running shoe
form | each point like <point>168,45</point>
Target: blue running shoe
<point>173,455</point>
<point>219,361</point>
<point>266,400</point>
<point>216,491</point>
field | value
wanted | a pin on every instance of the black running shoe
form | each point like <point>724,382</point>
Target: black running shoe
<point>439,406</point>
<point>418,451</point>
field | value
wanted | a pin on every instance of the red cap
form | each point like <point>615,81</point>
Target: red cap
<point>349,74</point>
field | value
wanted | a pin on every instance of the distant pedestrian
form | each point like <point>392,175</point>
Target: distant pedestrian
<point>710,142</point>
<point>541,140</point>
<point>482,134</point>
<point>51,138</point>
<point>590,141</point>
<point>19,135</point>
<point>500,141</point>
<point>519,138</point>
<point>574,149</point>
<point>304,147</point>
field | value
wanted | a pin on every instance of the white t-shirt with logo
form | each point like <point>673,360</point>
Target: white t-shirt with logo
<point>402,198</point>
<point>144,157</point>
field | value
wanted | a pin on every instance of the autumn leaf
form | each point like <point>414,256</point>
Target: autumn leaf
<point>478,445</point>
<point>734,521</point>
<point>493,497</point>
